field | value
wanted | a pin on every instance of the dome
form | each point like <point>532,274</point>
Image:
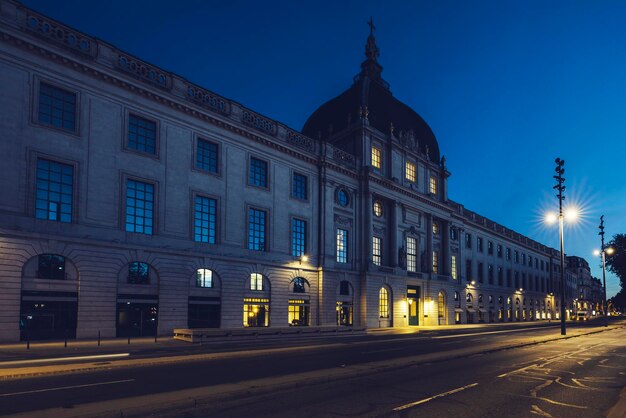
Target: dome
<point>369,91</point>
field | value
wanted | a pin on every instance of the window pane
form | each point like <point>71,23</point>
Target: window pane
<point>141,134</point>
<point>298,237</point>
<point>342,246</point>
<point>57,107</point>
<point>139,204</point>
<point>138,273</point>
<point>54,196</point>
<point>256,229</point>
<point>205,219</point>
<point>258,172</point>
<point>299,186</point>
<point>207,156</point>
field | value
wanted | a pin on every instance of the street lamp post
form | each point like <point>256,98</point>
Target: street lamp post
<point>603,252</point>
<point>561,188</point>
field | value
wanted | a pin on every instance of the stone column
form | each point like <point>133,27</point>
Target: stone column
<point>393,233</point>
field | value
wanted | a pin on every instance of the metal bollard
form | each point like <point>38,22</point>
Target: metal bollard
<point>129,340</point>
<point>98,338</point>
<point>65,335</point>
<point>27,341</point>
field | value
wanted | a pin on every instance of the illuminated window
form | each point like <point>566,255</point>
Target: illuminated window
<point>378,208</point>
<point>383,303</point>
<point>141,134</point>
<point>435,261</point>
<point>257,175</point>
<point>139,207</point>
<point>54,195</point>
<point>441,306</point>
<point>207,156</point>
<point>411,254</point>
<point>342,245</point>
<point>298,237</point>
<point>57,107</point>
<point>256,312</point>
<point>256,229</point>
<point>298,313</point>
<point>204,278</point>
<point>410,172</point>
<point>51,267</point>
<point>435,228</point>
<point>453,267</point>
<point>256,281</point>
<point>138,273</point>
<point>433,185</point>
<point>376,250</point>
<point>204,219</point>
<point>376,157</point>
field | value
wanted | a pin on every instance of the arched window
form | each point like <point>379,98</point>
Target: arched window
<point>500,300</point>
<point>204,278</point>
<point>469,297</point>
<point>300,285</point>
<point>51,267</point>
<point>256,281</point>
<point>138,273</point>
<point>383,303</point>
<point>480,298</point>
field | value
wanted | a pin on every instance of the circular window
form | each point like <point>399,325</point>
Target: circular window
<point>378,208</point>
<point>342,198</point>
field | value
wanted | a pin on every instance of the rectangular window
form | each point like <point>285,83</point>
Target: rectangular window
<point>499,250</point>
<point>433,185</point>
<point>207,156</point>
<point>436,262</point>
<point>139,207</point>
<point>479,244</point>
<point>468,270</point>
<point>204,219</point>
<point>508,254</point>
<point>480,273</point>
<point>54,195</point>
<point>468,240</point>
<point>523,258</point>
<point>298,237</point>
<point>508,277</point>
<point>299,186</point>
<point>516,256</point>
<point>342,245</point>
<point>410,173</point>
<point>138,273</point>
<point>516,276</point>
<point>490,247</point>
<point>258,172</point>
<point>141,134</point>
<point>411,254</point>
<point>57,107</point>
<point>376,250</point>
<point>376,157</point>
<point>453,267</point>
<point>257,220</point>
<point>500,276</point>
<point>490,274</point>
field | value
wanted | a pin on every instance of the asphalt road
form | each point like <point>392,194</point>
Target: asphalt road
<point>579,377</point>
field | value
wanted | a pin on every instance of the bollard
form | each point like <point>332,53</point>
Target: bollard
<point>129,340</point>
<point>27,341</point>
<point>98,338</point>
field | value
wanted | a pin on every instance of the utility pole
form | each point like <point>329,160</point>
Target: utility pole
<point>561,188</point>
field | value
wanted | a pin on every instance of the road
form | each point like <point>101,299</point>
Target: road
<point>458,374</point>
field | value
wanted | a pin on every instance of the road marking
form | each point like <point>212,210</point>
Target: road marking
<point>506,331</point>
<point>441,395</point>
<point>382,351</point>
<point>49,360</point>
<point>549,360</point>
<point>66,387</point>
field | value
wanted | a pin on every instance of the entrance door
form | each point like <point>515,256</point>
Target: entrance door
<point>136,319</point>
<point>413,310</point>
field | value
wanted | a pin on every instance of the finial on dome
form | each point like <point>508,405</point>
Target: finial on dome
<point>370,68</point>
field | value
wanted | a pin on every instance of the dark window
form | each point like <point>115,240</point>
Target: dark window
<point>204,219</point>
<point>299,186</point>
<point>508,277</point>
<point>342,198</point>
<point>508,253</point>
<point>468,270</point>
<point>500,276</point>
<point>57,107</point>
<point>258,172</point>
<point>516,256</point>
<point>468,240</point>
<point>51,267</point>
<point>207,156</point>
<point>344,288</point>
<point>139,207</point>
<point>480,273</point>
<point>54,191</point>
<point>256,229</point>
<point>298,237</point>
<point>479,244</point>
<point>490,247</point>
<point>516,276</point>
<point>499,250</point>
<point>138,273</point>
<point>490,274</point>
<point>453,234</point>
<point>299,285</point>
<point>141,134</point>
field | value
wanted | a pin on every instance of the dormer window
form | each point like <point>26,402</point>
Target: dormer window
<point>376,157</point>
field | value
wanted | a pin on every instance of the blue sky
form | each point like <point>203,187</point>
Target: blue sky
<point>506,86</point>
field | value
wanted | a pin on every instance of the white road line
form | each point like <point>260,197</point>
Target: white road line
<point>382,351</point>
<point>506,331</point>
<point>49,360</point>
<point>441,395</point>
<point>67,387</point>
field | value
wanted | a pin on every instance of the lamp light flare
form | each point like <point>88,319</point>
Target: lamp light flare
<point>571,214</point>
<point>596,252</point>
<point>551,218</point>
<point>609,250</point>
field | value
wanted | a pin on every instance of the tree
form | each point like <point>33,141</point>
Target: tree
<point>618,302</point>
<point>616,262</point>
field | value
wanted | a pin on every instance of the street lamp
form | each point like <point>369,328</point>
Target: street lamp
<point>603,251</point>
<point>561,188</point>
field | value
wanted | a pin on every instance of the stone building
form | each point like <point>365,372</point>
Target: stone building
<point>135,202</point>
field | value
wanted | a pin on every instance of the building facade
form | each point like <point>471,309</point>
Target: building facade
<point>134,202</point>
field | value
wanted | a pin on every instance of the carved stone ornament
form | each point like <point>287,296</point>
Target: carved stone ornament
<point>379,230</point>
<point>343,220</point>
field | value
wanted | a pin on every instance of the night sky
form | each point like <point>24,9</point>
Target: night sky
<point>506,86</point>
